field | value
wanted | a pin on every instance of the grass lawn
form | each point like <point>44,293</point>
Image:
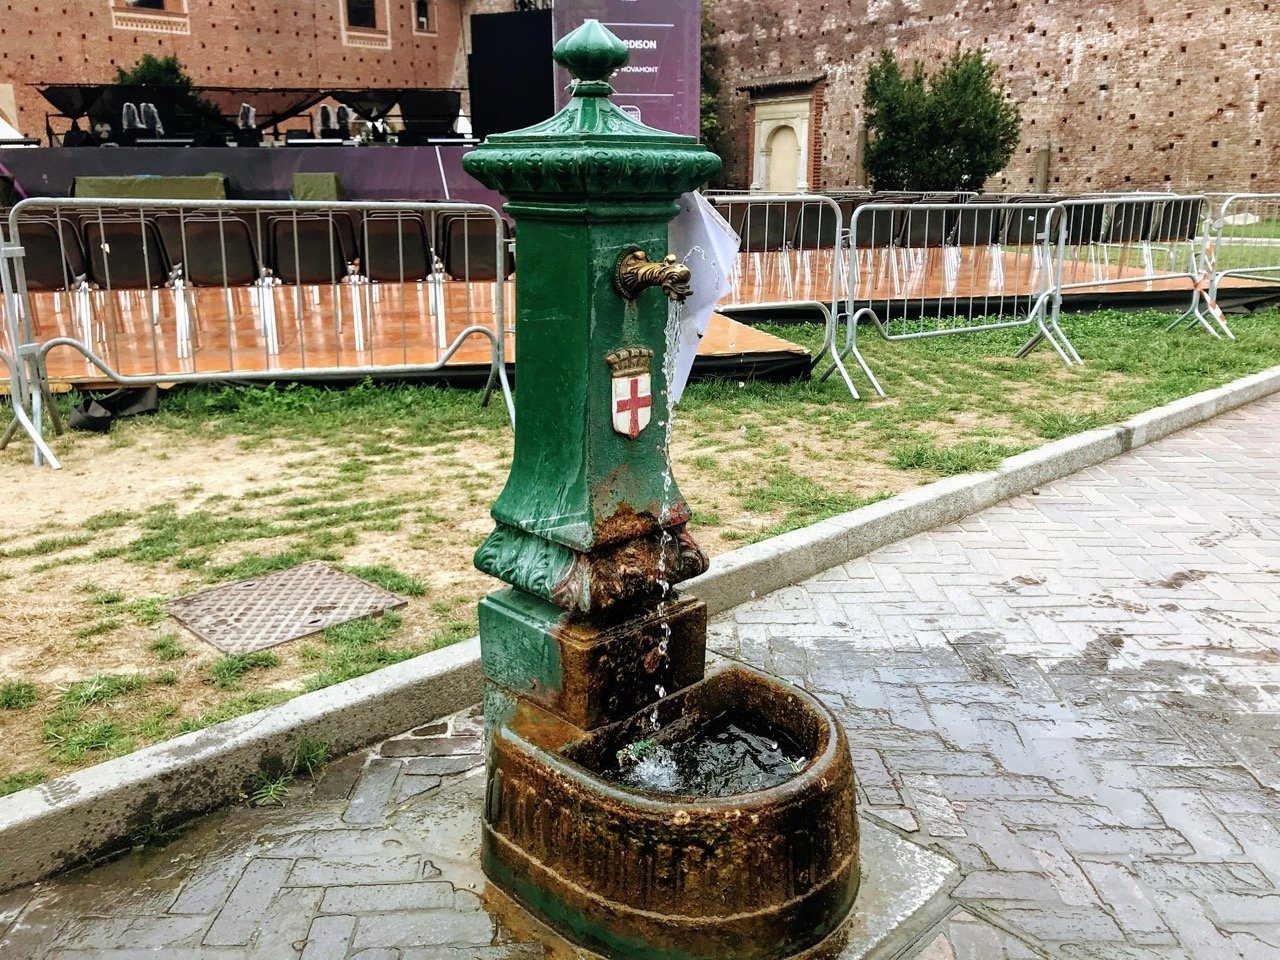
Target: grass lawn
<point>394,483</point>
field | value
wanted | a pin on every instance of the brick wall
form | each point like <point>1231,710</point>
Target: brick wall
<point>286,43</point>
<point>1176,93</point>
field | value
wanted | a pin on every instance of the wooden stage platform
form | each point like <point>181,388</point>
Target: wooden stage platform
<point>974,279</point>
<point>136,332</point>
<point>350,331</point>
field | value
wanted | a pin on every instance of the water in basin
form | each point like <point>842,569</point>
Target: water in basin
<point>717,759</point>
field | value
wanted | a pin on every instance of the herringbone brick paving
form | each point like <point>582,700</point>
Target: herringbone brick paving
<point>1073,694</point>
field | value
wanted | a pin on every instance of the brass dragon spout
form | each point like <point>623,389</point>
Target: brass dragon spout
<point>635,273</point>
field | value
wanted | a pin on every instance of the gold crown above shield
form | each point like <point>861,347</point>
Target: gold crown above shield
<point>629,361</point>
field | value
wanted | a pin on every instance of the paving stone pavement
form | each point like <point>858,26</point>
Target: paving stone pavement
<point>1074,694</point>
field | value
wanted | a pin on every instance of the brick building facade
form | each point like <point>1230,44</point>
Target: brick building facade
<point>1132,94</point>
<point>250,43</point>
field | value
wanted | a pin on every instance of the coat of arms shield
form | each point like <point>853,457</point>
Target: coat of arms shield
<point>632,395</point>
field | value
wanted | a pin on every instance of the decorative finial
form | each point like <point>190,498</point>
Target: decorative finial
<point>591,53</point>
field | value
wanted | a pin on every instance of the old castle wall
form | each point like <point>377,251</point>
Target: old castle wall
<point>250,43</point>
<point>1181,94</point>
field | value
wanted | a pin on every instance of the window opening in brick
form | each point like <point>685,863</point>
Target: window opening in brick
<point>424,15</point>
<point>361,13</point>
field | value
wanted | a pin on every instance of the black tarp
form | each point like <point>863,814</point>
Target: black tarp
<point>180,111</point>
<point>430,112</point>
<point>367,173</point>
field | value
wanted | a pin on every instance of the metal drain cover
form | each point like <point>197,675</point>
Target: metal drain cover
<point>263,611</point>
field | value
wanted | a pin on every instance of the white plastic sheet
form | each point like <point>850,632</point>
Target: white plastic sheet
<point>702,240</point>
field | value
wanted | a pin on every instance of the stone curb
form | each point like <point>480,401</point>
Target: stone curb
<point>86,815</point>
<point>97,811</point>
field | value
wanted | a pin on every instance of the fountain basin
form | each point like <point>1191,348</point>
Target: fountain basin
<point>647,876</point>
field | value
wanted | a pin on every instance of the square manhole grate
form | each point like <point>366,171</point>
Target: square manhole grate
<point>264,611</point>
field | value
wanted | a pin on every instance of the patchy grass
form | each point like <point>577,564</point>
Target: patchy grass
<point>228,672</point>
<point>18,695</point>
<point>149,611</point>
<point>102,688</point>
<point>1056,424</point>
<point>167,648</point>
<point>73,738</point>
<point>310,757</point>
<point>257,564</point>
<point>270,790</point>
<point>389,579</point>
<point>48,545</point>
<point>358,647</point>
<point>799,498</point>
<point>98,628</point>
<point>393,483</point>
<point>946,460</point>
<point>20,781</point>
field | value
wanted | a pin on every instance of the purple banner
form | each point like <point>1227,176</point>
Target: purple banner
<point>262,173</point>
<point>659,86</point>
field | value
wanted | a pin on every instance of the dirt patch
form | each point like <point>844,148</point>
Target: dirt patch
<point>396,484</point>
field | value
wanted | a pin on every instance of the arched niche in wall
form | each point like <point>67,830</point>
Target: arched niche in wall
<point>780,140</point>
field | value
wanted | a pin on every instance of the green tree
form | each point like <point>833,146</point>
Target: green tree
<point>711,127</point>
<point>896,111</point>
<point>948,131</point>
<point>191,112</point>
<point>153,71</point>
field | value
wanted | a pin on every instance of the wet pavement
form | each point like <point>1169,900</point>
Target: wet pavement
<point>1074,695</point>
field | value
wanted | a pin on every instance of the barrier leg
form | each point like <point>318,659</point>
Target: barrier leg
<point>850,349</point>
<point>831,328</point>
<point>498,376</point>
<point>1048,331</point>
<point>22,421</point>
<point>40,365</point>
<point>862,361</point>
<point>1215,311</point>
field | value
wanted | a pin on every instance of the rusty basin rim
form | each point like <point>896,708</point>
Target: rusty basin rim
<point>839,874</point>
<point>731,909</point>
<point>819,767</point>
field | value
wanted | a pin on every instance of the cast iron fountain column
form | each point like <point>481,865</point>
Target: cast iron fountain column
<point>588,645</point>
<point>589,521</point>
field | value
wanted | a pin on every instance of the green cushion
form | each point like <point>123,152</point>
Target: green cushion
<point>209,186</point>
<point>316,186</point>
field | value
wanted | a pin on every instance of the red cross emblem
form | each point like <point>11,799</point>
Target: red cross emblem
<point>632,404</point>
<point>632,390</point>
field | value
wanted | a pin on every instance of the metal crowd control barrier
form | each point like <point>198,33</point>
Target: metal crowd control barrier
<point>930,269</point>
<point>1134,242</point>
<point>1242,244</point>
<point>930,265</point>
<point>793,259</point>
<point>156,291</point>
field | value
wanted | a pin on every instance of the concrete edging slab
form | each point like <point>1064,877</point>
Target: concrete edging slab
<point>94,812</point>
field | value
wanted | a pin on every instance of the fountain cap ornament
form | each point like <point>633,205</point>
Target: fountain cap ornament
<point>592,149</point>
<point>592,53</point>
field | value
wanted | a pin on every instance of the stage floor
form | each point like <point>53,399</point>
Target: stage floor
<point>967,281</point>
<point>137,333</point>
<point>345,332</point>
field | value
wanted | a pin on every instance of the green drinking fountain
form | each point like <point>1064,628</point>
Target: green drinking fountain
<point>636,804</point>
